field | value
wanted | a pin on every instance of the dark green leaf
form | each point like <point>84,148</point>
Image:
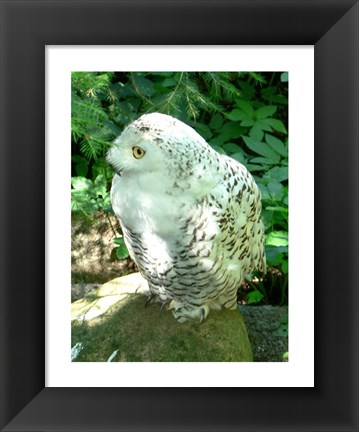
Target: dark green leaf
<point>264,191</point>
<point>82,169</point>
<point>277,145</point>
<point>230,130</point>
<point>246,107</point>
<point>263,125</point>
<point>143,85</point>
<point>247,122</point>
<point>240,157</point>
<point>276,190</point>
<point>262,149</point>
<point>269,91</point>
<point>254,296</point>
<point>81,165</point>
<point>265,111</point>
<point>256,133</point>
<point>168,82</point>
<point>276,124</point>
<point>247,89</point>
<point>264,161</point>
<point>237,115</point>
<point>216,121</point>
<point>231,148</point>
<point>252,167</point>
<point>277,173</point>
<point>279,99</point>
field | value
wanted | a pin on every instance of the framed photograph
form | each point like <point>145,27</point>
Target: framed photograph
<point>89,318</point>
<point>42,42</point>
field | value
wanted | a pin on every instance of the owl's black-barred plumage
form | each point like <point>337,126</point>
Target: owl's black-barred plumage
<point>191,217</point>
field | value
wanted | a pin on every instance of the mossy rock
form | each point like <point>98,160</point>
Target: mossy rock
<point>112,324</point>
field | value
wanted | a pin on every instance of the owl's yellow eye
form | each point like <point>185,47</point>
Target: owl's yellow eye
<point>138,152</point>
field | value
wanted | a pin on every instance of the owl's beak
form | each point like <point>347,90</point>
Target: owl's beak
<point>110,160</point>
<point>115,167</point>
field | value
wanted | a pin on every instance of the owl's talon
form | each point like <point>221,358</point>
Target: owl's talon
<point>203,315</point>
<point>163,304</point>
<point>150,298</point>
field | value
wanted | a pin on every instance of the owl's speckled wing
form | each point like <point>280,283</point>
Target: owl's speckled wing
<point>190,216</point>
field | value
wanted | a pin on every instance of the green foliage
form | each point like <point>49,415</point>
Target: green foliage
<point>92,125</point>
<point>254,296</point>
<point>88,197</point>
<point>121,250</point>
<point>242,115</point>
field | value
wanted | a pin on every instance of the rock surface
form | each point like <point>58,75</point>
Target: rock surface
<point>268,331</point>
<point>112,324</point>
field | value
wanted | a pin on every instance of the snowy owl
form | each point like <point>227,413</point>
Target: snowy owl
<point>191,217</point>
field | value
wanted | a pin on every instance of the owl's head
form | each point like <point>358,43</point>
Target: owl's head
<point>158,143</point>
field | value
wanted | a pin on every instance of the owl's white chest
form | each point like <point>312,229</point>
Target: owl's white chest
<point>143,205</point>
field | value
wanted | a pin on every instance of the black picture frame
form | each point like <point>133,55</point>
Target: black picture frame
<point>26,28</point>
